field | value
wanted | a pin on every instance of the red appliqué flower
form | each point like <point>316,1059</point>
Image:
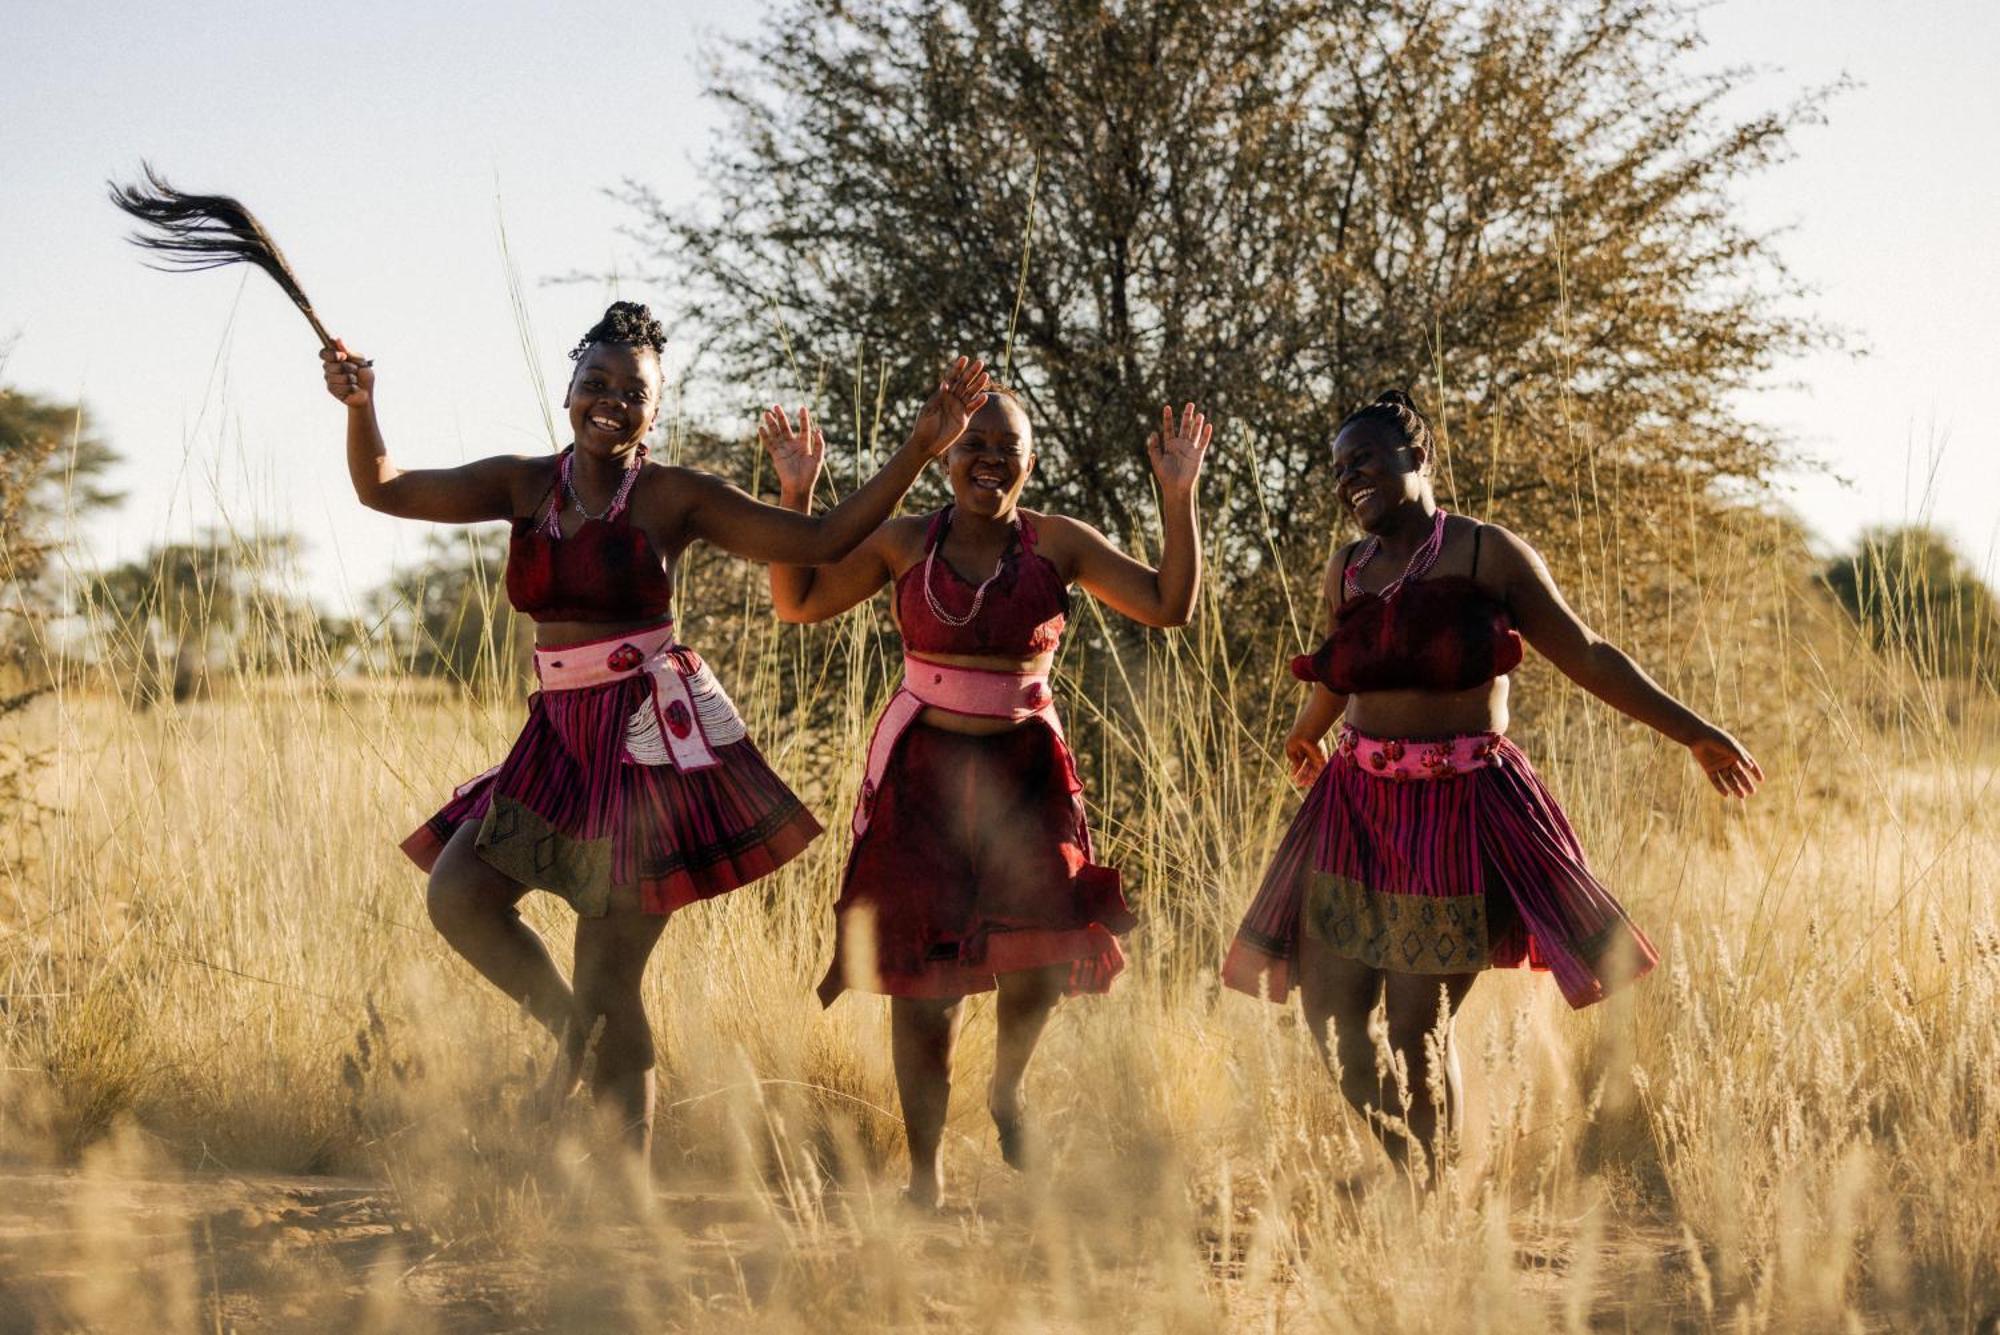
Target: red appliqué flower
<point>679,722</point>
<point>624,658</point>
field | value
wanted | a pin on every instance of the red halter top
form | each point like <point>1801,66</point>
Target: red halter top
<point>1443,633</point>
<point>1023,614</point>
<point>606,571</point>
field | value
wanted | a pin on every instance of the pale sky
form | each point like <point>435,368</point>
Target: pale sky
<point>382,145</point>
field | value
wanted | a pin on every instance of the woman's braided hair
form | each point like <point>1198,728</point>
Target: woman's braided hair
<point>626,322</point>
<point>1392,408</point>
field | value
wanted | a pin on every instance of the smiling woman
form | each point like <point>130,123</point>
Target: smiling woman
<point>1427,850</point>
<point>972,867</point>
<point>633,789</point>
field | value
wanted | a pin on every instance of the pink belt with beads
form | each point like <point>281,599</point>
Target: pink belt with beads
<point>974,692</point>
<point>1403,758</point>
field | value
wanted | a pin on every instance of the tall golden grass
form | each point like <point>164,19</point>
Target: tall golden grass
<point>245,1085</point>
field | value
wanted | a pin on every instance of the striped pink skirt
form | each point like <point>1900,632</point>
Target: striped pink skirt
<point>1435,857</point>
<point>633,769</point>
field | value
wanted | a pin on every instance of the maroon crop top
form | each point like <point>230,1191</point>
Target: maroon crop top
<point>1022,616</point>
<point>1444,633</point>
<point>605,571</point>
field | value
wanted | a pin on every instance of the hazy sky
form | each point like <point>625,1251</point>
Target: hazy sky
<point>382,145</point>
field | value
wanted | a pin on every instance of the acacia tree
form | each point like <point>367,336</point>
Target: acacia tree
<point>1519,208</point>
<point>170,620</point>
<point>52,462</point>
<point>1910,590</point>
<point>449,617</point>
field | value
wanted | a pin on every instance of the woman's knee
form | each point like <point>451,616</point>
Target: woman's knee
<point>927,1019</point>
<point>458,904</point>
<point>1420,1011</point>
<point>1033,990</point>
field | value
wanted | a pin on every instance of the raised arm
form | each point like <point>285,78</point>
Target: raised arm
<point>1322,707</point>
<point>805,594</point>
<point>737,522</point>
<point>482,490</point>
<point>1607,672</point>
<point>1163,596</point>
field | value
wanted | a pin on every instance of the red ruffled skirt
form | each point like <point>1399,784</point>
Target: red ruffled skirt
<point>975,862</point>
<point>572,810</point>
<point>1455,859</point>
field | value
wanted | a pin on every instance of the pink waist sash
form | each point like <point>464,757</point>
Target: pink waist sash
<point>679,722</point>
<point>974,692</point>
<point>1417,758</point>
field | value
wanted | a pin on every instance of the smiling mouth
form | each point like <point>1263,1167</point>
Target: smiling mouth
<point>1357,496</point>
<point>989,481</point>
<point>607,424</point>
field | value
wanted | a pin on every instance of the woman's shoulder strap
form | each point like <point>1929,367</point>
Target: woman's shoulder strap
<point>935,530</point>
<point>547,511</point>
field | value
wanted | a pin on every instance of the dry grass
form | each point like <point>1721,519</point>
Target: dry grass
<point>245,1086</point>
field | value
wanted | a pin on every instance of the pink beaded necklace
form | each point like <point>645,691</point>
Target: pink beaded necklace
<point>978,594</point>
<point>552,525</point>
<point>1420,564</point>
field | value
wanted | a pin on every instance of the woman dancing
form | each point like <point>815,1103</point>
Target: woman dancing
<point>1427,849</point>
<point>971,867</point>
<point>633,789</point>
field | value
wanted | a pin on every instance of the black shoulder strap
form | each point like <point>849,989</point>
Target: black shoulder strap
<point>1340,560</point>
<point>1477,530</point>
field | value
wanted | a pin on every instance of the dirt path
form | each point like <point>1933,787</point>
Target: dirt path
<point>275,1253</point>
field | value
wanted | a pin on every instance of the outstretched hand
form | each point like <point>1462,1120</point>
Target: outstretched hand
<point>796,449</point>
<point>1728,766</point>
<point>958,396</point>
<point>1177,451</point>
<point>350,377</point>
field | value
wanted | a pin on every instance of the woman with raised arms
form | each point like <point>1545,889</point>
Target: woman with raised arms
<point>971,868</point>
<point>632,790</point>
<point>1427,849</point>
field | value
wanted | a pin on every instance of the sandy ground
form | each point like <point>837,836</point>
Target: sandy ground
<point>276,1253</point>
<point>315,1253</point>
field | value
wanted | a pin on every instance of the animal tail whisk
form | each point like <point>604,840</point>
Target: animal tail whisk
<point>195,232</point>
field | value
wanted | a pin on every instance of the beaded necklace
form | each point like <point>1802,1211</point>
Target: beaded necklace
<point>552,526</point>
<point>1420,564</point>
<point>978,594</point>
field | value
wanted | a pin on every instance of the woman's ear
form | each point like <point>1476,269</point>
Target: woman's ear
<point>1420,456</point>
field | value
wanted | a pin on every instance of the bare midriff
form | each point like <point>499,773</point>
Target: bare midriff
<point>552,634</point>
<point>969,724</point>
<point>1426,714</point>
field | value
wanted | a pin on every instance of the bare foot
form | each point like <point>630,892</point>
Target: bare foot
<point>922,1193</point>
<point>1010,1122</point>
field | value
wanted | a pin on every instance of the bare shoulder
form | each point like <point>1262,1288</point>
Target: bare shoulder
<point>1508,550</point>
<point>526,478</point>
<point>667,492</point>
<point>900,541</point>
<point>1067,544</point>
<point>1067,533</point>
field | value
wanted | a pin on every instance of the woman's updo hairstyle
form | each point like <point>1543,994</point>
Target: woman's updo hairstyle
<point>626,322</point>
<point>1393,408</point>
